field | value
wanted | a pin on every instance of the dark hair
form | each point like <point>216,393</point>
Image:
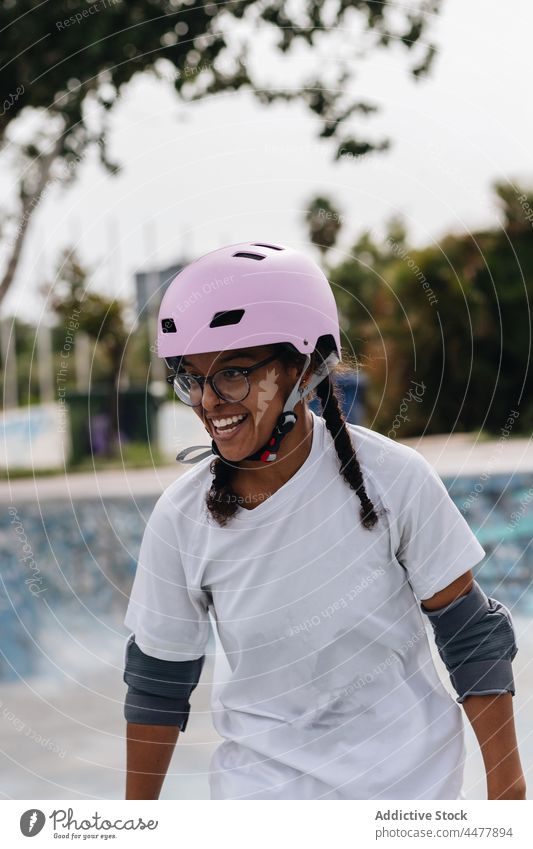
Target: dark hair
<point>222,503</point>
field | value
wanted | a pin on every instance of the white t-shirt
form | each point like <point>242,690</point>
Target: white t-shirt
<point>331,690</point>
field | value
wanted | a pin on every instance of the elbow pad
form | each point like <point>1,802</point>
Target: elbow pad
<point>158,690</point>
<point>475,638</point>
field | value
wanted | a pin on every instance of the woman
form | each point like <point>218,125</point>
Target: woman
<point>321,549</point>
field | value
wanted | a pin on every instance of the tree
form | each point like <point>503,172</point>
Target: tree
<point>455,317</point>
<point>324,222</point>
<point>516,207</point>
<point>65,66</point>
<point>101,319</point>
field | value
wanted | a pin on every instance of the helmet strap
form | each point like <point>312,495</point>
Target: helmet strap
<point>286,420</point>
<point>288,417</point>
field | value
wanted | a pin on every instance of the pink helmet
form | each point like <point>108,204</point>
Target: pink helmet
<point>250,294</point>
<point>244,295</point>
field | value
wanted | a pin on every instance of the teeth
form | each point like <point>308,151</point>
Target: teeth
<point>224,422</point>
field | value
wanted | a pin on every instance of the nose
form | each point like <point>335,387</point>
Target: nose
<point>210,399</point>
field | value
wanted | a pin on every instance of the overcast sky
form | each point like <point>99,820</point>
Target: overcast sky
<point>198,176</point>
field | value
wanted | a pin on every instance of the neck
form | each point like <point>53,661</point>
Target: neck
<point>293,452</point>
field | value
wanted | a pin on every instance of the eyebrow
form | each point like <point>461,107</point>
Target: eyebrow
<point>240,353</point>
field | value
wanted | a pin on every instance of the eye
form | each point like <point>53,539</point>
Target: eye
<point>184,377</point>
<point>232,373</point>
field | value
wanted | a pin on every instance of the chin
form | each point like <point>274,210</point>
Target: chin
<point>235,452</point>
<point>238,452</point>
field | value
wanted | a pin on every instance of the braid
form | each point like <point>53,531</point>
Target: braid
<point>350,468</point>
<point>221,501</point>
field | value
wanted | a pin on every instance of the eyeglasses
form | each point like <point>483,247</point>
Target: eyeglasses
<point>230,384</point>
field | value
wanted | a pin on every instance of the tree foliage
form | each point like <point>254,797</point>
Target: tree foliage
<point>453,316</point>
<point>101,318</point>
<point>324,222</point>
<point>64,65</point>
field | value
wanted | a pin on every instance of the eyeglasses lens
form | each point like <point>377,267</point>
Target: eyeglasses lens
<point>230,384</point>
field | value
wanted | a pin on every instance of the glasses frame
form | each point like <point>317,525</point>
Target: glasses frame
<point>201,380</point>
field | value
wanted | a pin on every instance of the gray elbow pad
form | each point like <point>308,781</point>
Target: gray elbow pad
<point>475,638</point>
<point>158,690</point>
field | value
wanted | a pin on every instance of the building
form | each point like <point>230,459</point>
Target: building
<point>150,287</point>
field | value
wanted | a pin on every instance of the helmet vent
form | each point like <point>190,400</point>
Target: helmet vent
<point>222,319</point>
<point>249,255</point>
<point>168,325</point>
<point>262,245</point>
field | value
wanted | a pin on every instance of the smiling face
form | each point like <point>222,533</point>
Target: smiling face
<point>270,386</point>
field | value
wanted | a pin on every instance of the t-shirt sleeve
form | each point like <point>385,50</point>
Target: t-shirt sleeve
<point>168,617</point>
<point>436,544</point>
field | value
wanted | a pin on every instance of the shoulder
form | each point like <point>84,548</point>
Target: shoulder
<point>183,499</point>
<point>379,452</point>
<point>393,467</point>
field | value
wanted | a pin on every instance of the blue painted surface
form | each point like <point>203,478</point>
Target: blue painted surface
<point>499,509</point>
<point>85,552</point>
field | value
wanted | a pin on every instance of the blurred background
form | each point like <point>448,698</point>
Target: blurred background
<point>390,143</point>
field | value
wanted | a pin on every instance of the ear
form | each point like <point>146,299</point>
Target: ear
<point>311,368</point>
<point>295,372</point>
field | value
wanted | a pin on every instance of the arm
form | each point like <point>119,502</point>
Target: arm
<point>492,719</point>
<point>168,623</point>
<point>149,751</point>
<point>156,708</point>
<point>490,714</point>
